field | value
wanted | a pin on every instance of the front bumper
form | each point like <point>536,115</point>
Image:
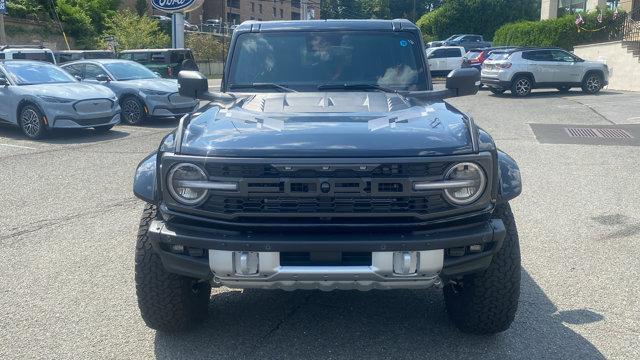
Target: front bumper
<point>215,251</point>
<point>169,106</point>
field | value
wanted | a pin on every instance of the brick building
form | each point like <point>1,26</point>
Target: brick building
<point>237,11</point>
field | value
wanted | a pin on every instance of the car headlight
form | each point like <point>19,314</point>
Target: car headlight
<point>154,92</point>
<point>178,181</point>
<point>53,99</point>
<point>473,178</point>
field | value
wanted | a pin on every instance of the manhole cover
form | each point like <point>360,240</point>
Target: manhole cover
<point>594,133</point>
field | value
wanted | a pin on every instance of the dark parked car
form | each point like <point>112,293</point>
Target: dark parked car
<point>166,62</point>
<point>73,55</point>
<point>468,41</point>
<point>328,162</point>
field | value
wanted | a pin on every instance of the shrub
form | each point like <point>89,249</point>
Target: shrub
<point>204,46</point>
<point>135,32</point>
<point>561,32</point>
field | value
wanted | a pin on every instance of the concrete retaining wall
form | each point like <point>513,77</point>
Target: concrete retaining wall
<point>26,32</point>
<point>624,67</point>
<point>211,69</point>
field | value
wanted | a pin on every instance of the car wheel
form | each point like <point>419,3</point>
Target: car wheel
<point>497,91</point>
<point>103,128</point>
<point>521,86</point>
<point>32,123</point>
<point>167,302</point>
<point>486,302</point>
<point>564,89</point>
<point>592,83</point>
<point>133,112</point>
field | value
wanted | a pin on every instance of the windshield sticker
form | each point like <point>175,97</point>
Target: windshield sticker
<point>404,43</point>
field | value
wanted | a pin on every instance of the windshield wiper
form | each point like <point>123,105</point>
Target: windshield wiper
<point>261,85</point>
<point>355,87</point>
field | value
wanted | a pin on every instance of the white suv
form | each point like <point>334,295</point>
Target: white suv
<point>27,52</point>
<point>523,69</point>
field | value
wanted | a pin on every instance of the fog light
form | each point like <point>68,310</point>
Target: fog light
<point>475,248</point>
<point>245,262</point>
<point>405,262</point>
<point>176,248</point>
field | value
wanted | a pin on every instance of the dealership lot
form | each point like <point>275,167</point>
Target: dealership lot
<point>68,222</point>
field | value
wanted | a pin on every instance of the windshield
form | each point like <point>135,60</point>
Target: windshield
<point>305,60</point>
<point>33,73</point>
<point>129,70</point>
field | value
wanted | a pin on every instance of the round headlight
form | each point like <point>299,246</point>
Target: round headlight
<point>178,180</point>
<point>475,180</point>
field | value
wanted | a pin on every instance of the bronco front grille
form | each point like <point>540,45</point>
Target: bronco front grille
<point>326,205</point>
<point>327,191</point>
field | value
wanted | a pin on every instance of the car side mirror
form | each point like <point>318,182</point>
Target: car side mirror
<point>4,81</point>
<point>194,85</point>
<point>78,77</point>
<point>103,78</point>
<point>463,81</point>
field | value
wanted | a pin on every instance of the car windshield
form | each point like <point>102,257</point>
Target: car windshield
<point>305,60</point>
<point>34,73</point>
<point>123,71</point>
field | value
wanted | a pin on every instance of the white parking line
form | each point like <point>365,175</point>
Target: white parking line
<point>19,146</point>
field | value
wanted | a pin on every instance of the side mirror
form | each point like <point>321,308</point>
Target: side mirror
<point>157,74</point>
<point>193,84</point>
<point>430,56</point>
<point>103,78</point>
<point>4,81</point>
<point>463,81</point>
<point>78,77</point>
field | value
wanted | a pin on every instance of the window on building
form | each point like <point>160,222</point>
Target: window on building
<point>295,15</point>
<point>274,12</point>
<point>281,13</point>
<point>260,8</point>
<point>252,18</point>
<point>233,4</point>
<point>253,7</point>
<point>571,6</point>
<point>295,4</point>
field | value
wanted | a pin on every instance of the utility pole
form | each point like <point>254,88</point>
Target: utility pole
<point>305,10</point>
<point>3,35</point>
<point>3,10</point>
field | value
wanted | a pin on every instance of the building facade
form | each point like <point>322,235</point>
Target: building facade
<point>237,11</point>
<point>551,9</point>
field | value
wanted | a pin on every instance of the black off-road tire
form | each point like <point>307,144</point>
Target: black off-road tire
<point>167,302</point>
<point>496,91</point>
<point>486,302</point>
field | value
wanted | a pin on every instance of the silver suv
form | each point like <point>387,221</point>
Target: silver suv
<point>523,69</point>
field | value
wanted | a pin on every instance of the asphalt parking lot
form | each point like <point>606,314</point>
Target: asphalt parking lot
<point>68,221</point>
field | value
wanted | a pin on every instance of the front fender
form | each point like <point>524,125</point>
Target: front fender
<point>510,181</point>
<point>145,181</point>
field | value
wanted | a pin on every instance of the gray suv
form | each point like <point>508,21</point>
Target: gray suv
<point>523,69</point>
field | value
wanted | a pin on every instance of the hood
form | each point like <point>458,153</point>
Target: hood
<point>331,124</point>
<point>157,84</point>
<point>73,91</point>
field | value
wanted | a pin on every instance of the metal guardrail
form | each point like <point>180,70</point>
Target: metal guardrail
<point>631,31</point>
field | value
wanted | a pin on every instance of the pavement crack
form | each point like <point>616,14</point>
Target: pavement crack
<point>43,224</point>
<point>592,110</point>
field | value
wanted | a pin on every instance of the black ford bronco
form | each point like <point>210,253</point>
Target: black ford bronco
<point>328,161</point>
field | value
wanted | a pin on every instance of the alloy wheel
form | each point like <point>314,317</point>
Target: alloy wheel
<point>523,87</point>
<point>593,83</point>
<point>132,111</point>
<point>30,122</point>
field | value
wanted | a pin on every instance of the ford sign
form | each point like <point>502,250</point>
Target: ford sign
<point>172,6</point>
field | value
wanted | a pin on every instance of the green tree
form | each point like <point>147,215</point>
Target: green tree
<point>132,31</point>
<point>141,7</point>
<point>475,16</point>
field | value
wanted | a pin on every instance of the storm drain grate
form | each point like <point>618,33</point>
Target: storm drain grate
<point>594,133</point>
